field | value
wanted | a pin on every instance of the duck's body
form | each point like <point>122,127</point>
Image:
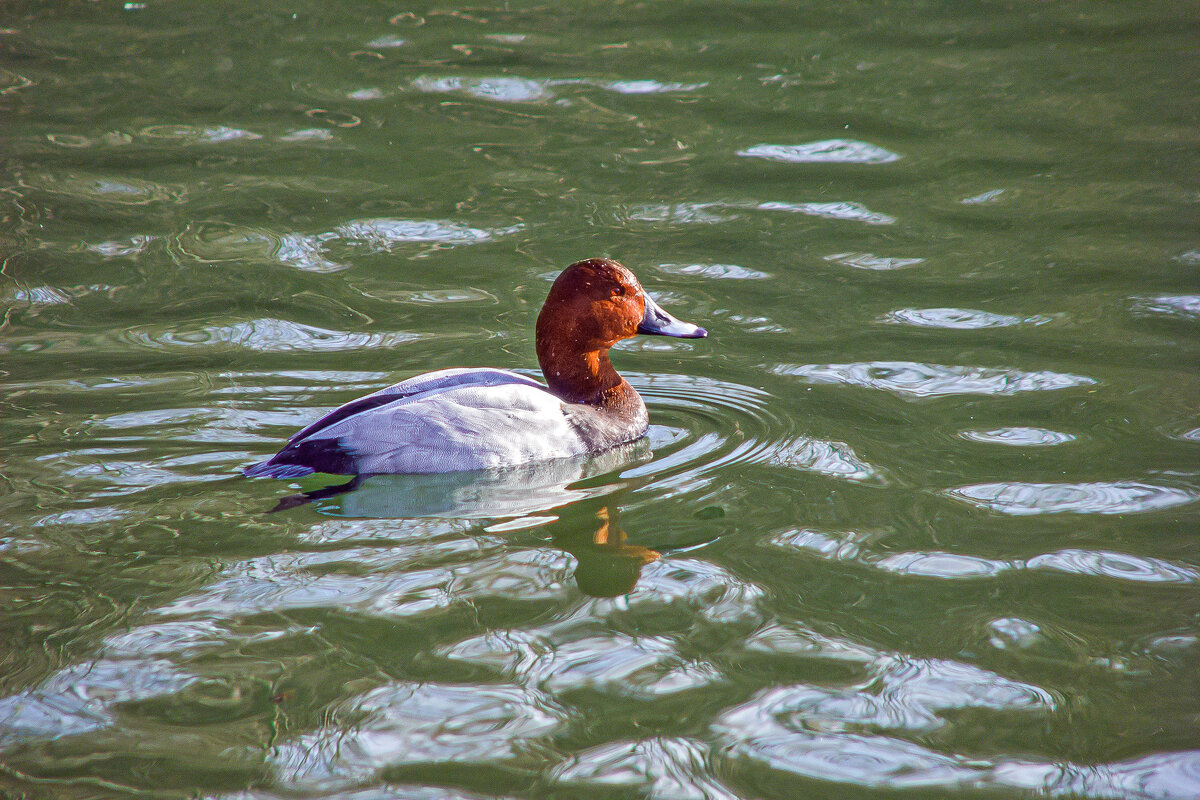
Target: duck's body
<point>449,421</point>
<point>468,419</point>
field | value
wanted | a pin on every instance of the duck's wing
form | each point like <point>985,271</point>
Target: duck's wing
<point>464,427</point>
<point>412,388</point>
<point>455,419</point>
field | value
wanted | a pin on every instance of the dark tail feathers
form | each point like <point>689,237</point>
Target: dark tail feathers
<point>268,469</point>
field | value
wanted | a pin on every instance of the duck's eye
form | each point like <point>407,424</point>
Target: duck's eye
<point>618,290</point>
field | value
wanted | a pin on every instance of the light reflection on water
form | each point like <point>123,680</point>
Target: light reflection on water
<point>833,151</point>
<point>1119,497</point>
<point>932,380</point>
<point>917,519</point>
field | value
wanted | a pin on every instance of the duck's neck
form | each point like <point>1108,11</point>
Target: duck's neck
<point>587,377</point>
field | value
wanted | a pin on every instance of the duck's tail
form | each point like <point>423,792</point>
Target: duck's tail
<point>271,469</point>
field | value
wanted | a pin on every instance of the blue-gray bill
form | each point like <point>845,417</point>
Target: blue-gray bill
<point>657,322</point>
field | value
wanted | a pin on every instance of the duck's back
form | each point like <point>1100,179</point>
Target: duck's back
<point>446,421</point>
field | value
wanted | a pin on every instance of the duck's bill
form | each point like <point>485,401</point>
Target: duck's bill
<point>659,323</point>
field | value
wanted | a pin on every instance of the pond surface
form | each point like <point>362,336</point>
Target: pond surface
<point>919,518</point>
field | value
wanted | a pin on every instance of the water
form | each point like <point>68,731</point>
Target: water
<point>918,519</point>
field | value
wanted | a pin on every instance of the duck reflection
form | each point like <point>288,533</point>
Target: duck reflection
<point>607,565</point>
<point>582,495</point>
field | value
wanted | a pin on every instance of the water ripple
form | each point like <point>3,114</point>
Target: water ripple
<point>760,731</point>
<point>870,261</point>
<point>689,589</point>
<point>405,724</point>
<point>716,212</point>
<point>1122,566</point>
<point>122,191</point>
<point>501,89</point>
<point>186,639</point>
<point>385,233</point>
<point>982,198</point>
<point>718,271</point>
<point>957,318</point>
<point>433,297</point>
<point>83,516</point>
<point>1159,776</point>
<point>193,134</point>
<point>330,251</point>
<point>836,546</point>
<point>383,582</point>
<point>645,666</point>
<point>38,296</point>
<point>85,697</point>
<point>835,459</point>
<point>754,323</point>
<point>942,565</point>
<point>914,691</point>
<point>692,436</point>
<point>531,575</point>
<point>855,547</point>
<point>692,415</point>
<point>790,640</point>
<point>386,41</point>
<point>267,336</point>
<point>306,253</point>
<point>213,242</point>
<point>304,580</point>
<point>853,212</point>
<point>1192,435</point>
<point>426,532</point>
<point>308,135</point>
<point>1180,306</point>
<point>830,151</point>
<point>830,734</point>
<point>661,767</point>
<point>683,213</point>
<point>180,135</point>
<point>1012,632</point>
<point>13,82</point>
<point>905,696</point>
<point>1019,437</point>
<point>648,87</point>
<point>133,246</point>
<point>1120,497</point>
<point>113,478</point>
<point>765,731</point>
<point>913,379</point>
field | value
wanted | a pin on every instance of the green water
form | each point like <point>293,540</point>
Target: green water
<point>918,519</point>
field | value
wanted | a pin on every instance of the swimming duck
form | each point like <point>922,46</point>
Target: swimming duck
<point>456,420</point>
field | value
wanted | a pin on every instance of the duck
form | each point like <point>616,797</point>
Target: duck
<point>466,419</point>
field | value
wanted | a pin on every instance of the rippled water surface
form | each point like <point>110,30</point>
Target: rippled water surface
<point>919,518</point>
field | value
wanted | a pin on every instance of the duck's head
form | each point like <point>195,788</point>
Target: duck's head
<point>593,305</point>
<point>596,303</point>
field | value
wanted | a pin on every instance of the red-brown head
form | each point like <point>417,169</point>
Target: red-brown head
<point>593,305</point>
